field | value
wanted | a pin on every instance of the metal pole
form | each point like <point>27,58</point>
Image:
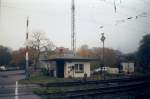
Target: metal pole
<point>27,66</point>
<point>27,54</point>
<point>73,36</point>
<point>103,62</point>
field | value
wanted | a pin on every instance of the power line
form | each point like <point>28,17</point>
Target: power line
<point>120,4</point>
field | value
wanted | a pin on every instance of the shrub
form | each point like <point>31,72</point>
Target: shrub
<point>45,72</point>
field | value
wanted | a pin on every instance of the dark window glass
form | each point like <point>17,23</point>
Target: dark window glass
<point>81,67</point>
<point>76,67</point>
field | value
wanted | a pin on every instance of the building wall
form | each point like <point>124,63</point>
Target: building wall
<point>69,72</point>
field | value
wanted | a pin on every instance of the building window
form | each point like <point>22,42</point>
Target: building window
<point>79,68</point>
<point>76,67</point>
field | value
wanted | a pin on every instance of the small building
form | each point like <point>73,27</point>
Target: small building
<point>61,50</point>
<point>68,66</point>
<point>128,67</point>
<point>107,69</point>
<point>113,70</point>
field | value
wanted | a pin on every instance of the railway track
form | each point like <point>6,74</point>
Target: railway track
<point>103,87</point>
<point>113,89</point>
<point>91,82</point>
<point>112,86</point>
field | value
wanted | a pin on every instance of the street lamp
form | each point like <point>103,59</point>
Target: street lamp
<point>103,39</point>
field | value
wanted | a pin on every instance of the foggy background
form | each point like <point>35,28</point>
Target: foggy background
<point>123,26</point>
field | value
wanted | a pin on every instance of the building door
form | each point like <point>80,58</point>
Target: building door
<point>60,69</point>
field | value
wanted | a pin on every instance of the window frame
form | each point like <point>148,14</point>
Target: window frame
<point>79,68</point>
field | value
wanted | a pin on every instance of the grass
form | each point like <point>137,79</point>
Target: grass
<point>59,90</point>
<point>43,79</point>
<point>40,79</point>
<point>40,91</point>
<point>114,76</point>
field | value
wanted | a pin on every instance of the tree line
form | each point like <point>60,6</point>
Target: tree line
<point>37,44</point>
<point>40,46</point>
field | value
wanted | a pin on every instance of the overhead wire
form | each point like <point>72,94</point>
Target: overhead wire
<point>142,14</point>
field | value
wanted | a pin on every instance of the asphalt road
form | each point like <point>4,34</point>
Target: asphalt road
<point>10,87</point>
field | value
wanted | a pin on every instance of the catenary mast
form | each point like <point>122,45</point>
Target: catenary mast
<point>73,36</point>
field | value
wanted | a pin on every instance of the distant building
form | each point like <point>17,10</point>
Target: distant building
<point>109,70</point>
<point>128,67</point>
<point>61,50</point>
<point>68,66</point>
<point>113,70</point>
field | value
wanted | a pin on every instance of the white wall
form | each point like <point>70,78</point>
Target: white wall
<point>68,73</point>
<point>113,70</point>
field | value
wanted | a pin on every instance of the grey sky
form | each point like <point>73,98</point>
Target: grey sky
<point>53,18</point>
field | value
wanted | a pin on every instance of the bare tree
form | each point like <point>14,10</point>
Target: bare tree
<point>41,45</point>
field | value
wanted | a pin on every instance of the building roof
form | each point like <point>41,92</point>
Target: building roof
<point>70,58</point>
